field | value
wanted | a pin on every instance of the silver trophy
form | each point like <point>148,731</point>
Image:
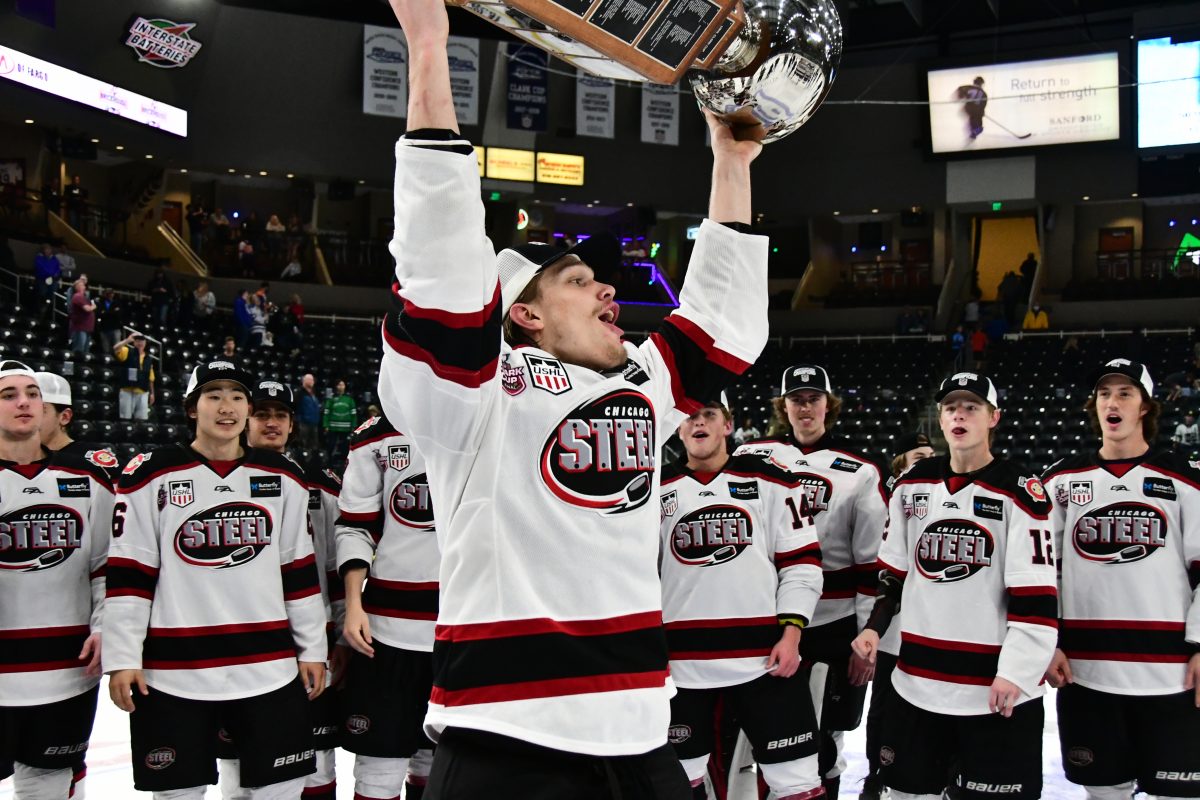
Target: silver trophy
<point>774,74</point>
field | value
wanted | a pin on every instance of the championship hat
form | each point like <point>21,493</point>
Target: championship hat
<point>805,376</point>
<point>979,385</point>
<point>519,265</point>
<point>272,391</point>
<point>55,388</point>
<point>10,368</point>
<point>219,370</point>
<point>1130,369</point>
<point>911,441</point>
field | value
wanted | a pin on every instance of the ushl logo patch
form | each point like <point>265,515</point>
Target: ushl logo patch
<point>670,503</point>
<point>398,457</point>
<point>920,505</point>
<point>1081,492</point>
<point>548,374</point>
<point>181,494</point>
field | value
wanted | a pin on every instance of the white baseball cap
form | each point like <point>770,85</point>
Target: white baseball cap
<point>55,388</point>
<point>979,385</point>
<point>519,265</point>
<point>1130,369</point>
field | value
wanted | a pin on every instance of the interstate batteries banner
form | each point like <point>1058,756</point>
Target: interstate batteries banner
<point>594,114</point>
<point>528,92</point>
<point>385,72</point>
<point>660,114</point>
<point>1025,104</point>
<point>464,78</point>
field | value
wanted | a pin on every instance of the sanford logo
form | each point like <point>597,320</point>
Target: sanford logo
<point>954,549</point>
<point>410,503</point>
<point>1120,533</point>
<point>225,536</point>
<point>602,455</point>
<point>711,536</point>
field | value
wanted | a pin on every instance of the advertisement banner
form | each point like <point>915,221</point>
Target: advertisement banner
<point>464,78</point>
<point>594,106</point>
<point>528,87</point>
<point>385,72</point>
<point>660,114</point>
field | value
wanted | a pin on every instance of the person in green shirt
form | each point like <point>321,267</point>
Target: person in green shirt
<point>338,419</point>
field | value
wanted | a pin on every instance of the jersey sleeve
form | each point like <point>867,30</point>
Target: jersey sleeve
<point>131,575</point>
<point>797,554</point>
<point>1056,497</point>
<point>442,338</point>
<point>1189,513</point>
<point>298,567</point>
<point>360,508</point>
<point>337,590</point>
<point>870,521</point>
<point>100,519</point>
<point>1031,588</point>
<point>720,327</point>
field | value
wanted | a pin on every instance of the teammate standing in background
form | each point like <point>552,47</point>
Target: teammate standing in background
<point>741,575</point>
<point>386,529</point>
<point>969,561</point>
<point>214,617</point>
<point>55,516</point>
<point>550,662</point>
<point>1127,523</point>
<point>57,413</point>
<point>270,428</point>
<point>843,491</point>
<point>911,448</point>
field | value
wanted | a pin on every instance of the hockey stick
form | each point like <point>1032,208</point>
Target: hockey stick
<point>1009,130</point>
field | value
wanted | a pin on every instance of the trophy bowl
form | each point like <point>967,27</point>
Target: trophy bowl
<point>776,71</point>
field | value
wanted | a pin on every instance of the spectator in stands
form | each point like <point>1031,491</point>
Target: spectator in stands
<point>979,345</point>
<point>229,348</point>
<point>1187,433</point>
<point>259,317</point>
<point>291,335</point>
<point>958,347</point>
<point>292,270</point>
<point>1028,270</point>
<point>71,288</point>
<point>242,319</point>
<point>76,197</point>
<point>196,220</point>
<point>246,263</point>
<point>252,230</point>
<point>1010,296</point>
<point>275,232</point>
<point>66,262</point>
<point>374,411</point>
<point>295,237</point>
<point>339,418</point>
<point>160,290</point>
<point>1179,384</point>
<point>971,310</point>
<point>1071,345</point>
<point>308,413</point>
<point>46,272</point>
<point>920,322</point>
<point>204,305</point>
<point>746,432</point>
<point>81,320</point>
<point>135,378</point>
<point>219,223</point>
<point>1036,319</point>
<point>110,314</point>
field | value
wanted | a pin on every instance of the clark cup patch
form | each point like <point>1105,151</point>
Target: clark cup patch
<point>989,508</point>
<point>266,486</point>
<point>744,491</point>
<point>845,465</point>
<point>74,487</point>
<point>548,374</point>
<point>1162,488</point>
<point>398,457</point>
<point>180,493</point>
<point>512,378</point>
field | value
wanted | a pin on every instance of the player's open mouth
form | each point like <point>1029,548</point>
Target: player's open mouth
<point>609,317</point>
<point>1113,419</point>
<point>959,431</point>
<point>699,435</point>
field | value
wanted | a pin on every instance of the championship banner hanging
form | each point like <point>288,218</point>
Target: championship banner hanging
<point>660,114</point>
<point>162,43</point>
<point>463,52</point>
<point>594,106</point>
<point>385,72</point>
<point>528,87</point>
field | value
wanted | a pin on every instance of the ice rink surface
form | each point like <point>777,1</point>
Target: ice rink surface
<point>110,778</point>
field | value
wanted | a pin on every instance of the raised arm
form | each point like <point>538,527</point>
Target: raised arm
<point>426,28</point>
<point>729,200</point>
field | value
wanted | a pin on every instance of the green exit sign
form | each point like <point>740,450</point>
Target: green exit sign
<point>997,206</point>
<point>494,196</point>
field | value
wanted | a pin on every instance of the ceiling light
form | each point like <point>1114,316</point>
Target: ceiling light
<point>262,172</point>
<point>28,122</point>
<point>291,175</point>
<point>247,175</point>
<point>562,199</point>
<point>629,204</point>
<point>1135,194</point>
<point>1087,197</point>
<point>120,147</point>
<point>149,156</point>
<point>360,183</point>
<point>95,141</point>
<point>837,213</point>
<point>874,210</point>
<point>232,170</point>
<point>184,170</point>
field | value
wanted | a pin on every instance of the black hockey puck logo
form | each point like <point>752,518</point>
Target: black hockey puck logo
<point>678,734</point>
<point>38,537</point>
<point>410,504</point>
<point>1120,533</point>
<point>602,455</point>
<point>224,536</point>
<point>887,756</point>
<point>357,724</point>
<point>953,550</point>
<point>711,536</point>
<point>160,758</point>
<point>817,490</point>
<point>1080,756</point>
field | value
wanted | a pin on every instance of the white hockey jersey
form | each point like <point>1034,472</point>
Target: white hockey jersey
<point>845,494</point>
<point>212,582</point>
<point>54,530</point>
<point>545,473</point>
<point>979,599</point>
<point>737,557</point>
<point>1128,539</point>
<point>324,486</point>
<point>386,523</point>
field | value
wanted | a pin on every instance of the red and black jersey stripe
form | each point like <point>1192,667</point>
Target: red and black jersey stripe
<point>1125,640</point>
<point>337,589</point>
<point>300,578</point>
<point>370,521</point>
<point>217,645</point>
<point>1194,575</point>
<point>1037,605</point>
<point>401,599</point>
<point>807,555</point>
<point>840,584</point>
<point>459,347</point>
<point>42,649</point>
<point>704,639</point>
<point>698,369</point>
<point>949,661</point>
<point>867,578</point>
<point>128,578</point>
<point>526,659</point>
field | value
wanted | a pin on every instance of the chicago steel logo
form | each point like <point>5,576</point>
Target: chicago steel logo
<point>816,490</point>
<point>711,536</point>
<point>357,724</point>
<point>410,504</point>
<point>38,537</point>
<point>1080,756</point>
<point>602,455</point>
<point>953,550</point>
<point>678,734</point>
<point>162,43</point>
<point>1120,533</point>
<point>225,536</point>
<point>160,757</point>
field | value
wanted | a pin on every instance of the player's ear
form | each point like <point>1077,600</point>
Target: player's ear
<point>995,418</point>
<point>526,317</point>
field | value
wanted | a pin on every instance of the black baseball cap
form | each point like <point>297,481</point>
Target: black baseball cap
<point>1130,369</point>
<point>219,370</point>
<point>519,265</point>
<point>804,376</point>
<point>272,391</point>
<point>911,441</point>
<point>979,385</point>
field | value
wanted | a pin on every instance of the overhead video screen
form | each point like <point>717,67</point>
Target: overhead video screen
<point>1168,92</point>
<point>1025,104</point>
